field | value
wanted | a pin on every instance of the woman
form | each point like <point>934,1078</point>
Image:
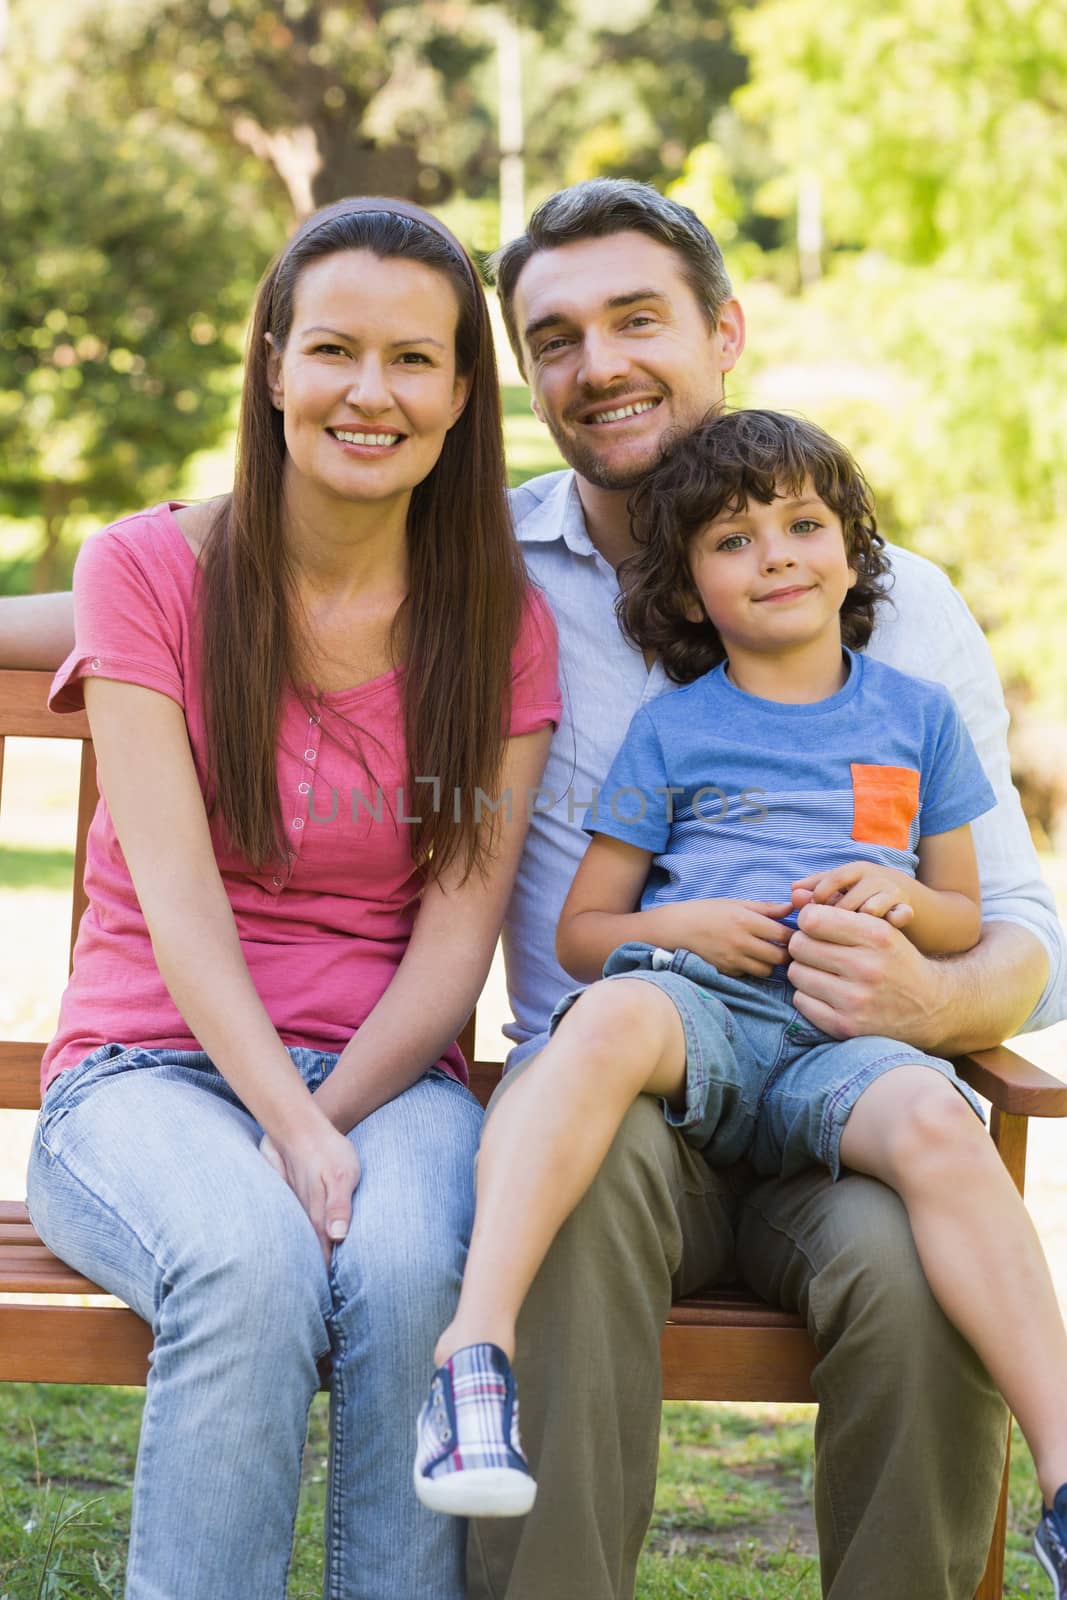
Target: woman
<point>256,1130</point>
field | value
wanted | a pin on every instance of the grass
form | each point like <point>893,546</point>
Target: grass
<point>22,868</point>
<point>732,1518</point>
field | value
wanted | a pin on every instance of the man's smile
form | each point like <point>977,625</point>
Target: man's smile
<point>598,416</point>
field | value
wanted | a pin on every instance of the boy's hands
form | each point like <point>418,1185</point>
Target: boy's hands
<point>743,938</point>
<point>860,886</point>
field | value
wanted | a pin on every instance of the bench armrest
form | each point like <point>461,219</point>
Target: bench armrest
<point>1012,1084</point>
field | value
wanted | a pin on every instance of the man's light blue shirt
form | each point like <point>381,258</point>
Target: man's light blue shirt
<point>926,630</point>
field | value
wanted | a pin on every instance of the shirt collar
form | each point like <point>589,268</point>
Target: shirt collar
<point>558,515</point>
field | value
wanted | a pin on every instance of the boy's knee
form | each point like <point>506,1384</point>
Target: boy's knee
<point>620,1015</point>
<point>934,1133</point>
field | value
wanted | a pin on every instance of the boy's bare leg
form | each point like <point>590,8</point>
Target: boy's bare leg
<point>976,1242</point>
<point>547,1139</point>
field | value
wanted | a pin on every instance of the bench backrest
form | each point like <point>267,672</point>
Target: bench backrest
<point>24,714</point>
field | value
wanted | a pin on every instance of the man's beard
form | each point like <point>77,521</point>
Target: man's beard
<point>588,465</point>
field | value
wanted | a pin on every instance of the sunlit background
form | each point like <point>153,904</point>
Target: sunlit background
<point>887,182</point>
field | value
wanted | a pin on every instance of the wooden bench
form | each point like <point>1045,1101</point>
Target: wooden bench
<point>721,1344</point>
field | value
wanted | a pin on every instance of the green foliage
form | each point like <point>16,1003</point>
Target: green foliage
<point>28,868</point>
<point>939,140</point>
<point>922,121</point>
<point>334,98</point>
<point>678,63</point>
<point>706,186</point>
<point>628,94</point>
<point>124,273</point>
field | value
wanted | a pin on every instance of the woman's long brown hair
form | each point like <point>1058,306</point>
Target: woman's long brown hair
<point>455,631</point>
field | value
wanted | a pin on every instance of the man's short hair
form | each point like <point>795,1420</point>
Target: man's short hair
<point>603,206</point>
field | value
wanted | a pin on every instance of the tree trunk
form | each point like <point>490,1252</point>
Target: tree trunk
<point>55,506</point>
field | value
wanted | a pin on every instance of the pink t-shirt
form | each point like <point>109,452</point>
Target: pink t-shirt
<point>324,934</point>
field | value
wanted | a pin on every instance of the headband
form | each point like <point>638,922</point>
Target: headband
<point>385,206</point>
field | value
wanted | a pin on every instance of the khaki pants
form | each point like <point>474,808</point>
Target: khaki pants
<point>910,1432</point>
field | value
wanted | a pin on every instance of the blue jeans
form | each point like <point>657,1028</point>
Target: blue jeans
<point>145,1175</point>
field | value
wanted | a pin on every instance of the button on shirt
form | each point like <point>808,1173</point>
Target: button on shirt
<point>927,630</point>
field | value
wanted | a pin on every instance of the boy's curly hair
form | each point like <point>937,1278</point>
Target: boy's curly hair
<point>733,457</point>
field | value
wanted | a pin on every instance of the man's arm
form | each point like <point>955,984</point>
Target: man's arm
<point>36,631</point>
<point>875,981</point>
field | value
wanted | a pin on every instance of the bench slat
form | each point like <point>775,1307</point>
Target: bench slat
<point>99,1344</point>
<point>72,1344</point>
<point>702,1363</point>
<point>24,712</point>
<point>44,1277</point>
<point>16,1233</point>
<point>28,1266</point>
<point>20,1075</point>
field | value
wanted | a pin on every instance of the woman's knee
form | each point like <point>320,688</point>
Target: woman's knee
<point>257,1275</point>
<point>412,1211</point>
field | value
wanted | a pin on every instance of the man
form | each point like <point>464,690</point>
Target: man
<point>621,315</point>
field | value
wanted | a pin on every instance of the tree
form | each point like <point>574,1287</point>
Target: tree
<point>627,92</point>
<point>123,276</point>
<point>335,96</point>
<point>939,137</point>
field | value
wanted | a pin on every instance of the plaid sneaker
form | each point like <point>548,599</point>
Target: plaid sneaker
<point>1050,1542</point>
<point>470,1461</point>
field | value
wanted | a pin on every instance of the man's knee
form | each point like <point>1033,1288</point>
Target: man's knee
<point>843,1255</point>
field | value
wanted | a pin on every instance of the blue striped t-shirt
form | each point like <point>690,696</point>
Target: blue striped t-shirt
<point>736,796</point>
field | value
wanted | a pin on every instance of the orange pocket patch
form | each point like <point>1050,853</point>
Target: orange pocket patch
<point>884,803</point>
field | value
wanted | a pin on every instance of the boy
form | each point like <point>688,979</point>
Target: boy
<point>760,562</point>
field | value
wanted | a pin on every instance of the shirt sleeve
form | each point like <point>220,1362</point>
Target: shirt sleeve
<point>955,789</point>
<point>928,630</point>
<point>634,803</point>
<point>121,628</point>
<point>535,696</point>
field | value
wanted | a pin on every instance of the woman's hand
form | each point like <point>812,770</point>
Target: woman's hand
<point>743,938</point>
<point>860,886</point>
<point>322,1170</point>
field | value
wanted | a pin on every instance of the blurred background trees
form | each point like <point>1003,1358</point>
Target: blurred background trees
<point>120,322</point>
<point>886,181</point>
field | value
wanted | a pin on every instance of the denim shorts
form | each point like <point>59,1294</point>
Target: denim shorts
<point>762,1083</point>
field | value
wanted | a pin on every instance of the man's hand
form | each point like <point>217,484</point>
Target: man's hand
<point>323,1173</point>
<point>858,975</point>
<point>743,938</point>
<point>860,886</point>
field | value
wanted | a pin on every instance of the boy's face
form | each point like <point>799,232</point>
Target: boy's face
<point>773,577</point>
